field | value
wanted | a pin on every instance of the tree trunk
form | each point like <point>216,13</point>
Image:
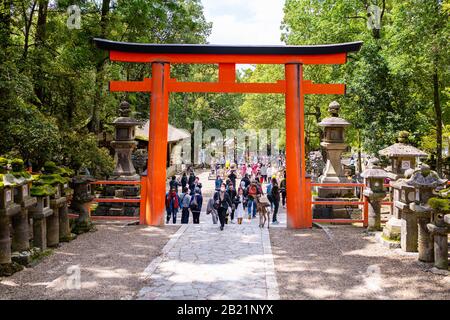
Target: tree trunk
<point>438,113</point>
<point>94,125</point>
<point>39,40</point>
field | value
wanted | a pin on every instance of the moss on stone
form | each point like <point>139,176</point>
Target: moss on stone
<point>8,269</point>
<point>42,190</point>
<point>395,239</point>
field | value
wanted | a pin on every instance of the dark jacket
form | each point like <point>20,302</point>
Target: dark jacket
<point>199,198</point>
<point>275,193</point>
<point>225,203</point>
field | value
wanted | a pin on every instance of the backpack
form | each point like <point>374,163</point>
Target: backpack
<point>194,204</point>
<point>252,190</point>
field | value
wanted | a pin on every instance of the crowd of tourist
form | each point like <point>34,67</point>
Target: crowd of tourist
<point>231,201</point>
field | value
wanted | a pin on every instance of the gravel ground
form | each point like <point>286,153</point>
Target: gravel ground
<point>110,261</point>
<point>349,264</point>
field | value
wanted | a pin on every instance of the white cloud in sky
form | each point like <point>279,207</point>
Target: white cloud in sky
<point>253,22</point>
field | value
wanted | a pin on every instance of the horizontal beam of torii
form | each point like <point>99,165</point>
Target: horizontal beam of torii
<point>294,87</point>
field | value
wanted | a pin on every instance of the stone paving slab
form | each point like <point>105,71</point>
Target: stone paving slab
<point>202,262</point>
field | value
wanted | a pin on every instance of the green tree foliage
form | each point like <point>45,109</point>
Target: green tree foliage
<point>54,97</point>
<point>396,82</point>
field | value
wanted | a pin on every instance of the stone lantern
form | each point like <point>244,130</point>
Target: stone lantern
<point>82,198</point>
<point>58,228</point>
<point>403,195</point>
<point>334,144</point>
<point>439,229</point>
<point>124,144</point>
<point>22,196</point>
<point>40,214</point>
<point>8,208</point>
<point>424,181</point>
<point>402,155</point>
<point>374,177</point>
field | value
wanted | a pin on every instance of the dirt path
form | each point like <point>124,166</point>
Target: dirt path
<point>109,262</point>
<point>350,266</point>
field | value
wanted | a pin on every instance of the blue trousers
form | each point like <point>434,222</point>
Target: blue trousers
<point>251,204</point>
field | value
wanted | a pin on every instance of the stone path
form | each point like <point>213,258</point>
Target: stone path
<point>202,262</point>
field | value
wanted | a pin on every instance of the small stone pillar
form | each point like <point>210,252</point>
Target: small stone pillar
<point>439,229</point>
<point>21,232</point>
<point>403,222</point>
<point>424,181</point>
<point>82,198</point>
<point>65,234</point>
<point>374,177</point>
<point>40,213</point>
<point>7,210</point>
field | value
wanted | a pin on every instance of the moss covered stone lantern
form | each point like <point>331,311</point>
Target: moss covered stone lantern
<point>374,177</point>
<point>41,213</point>
<point>82,198</point>
<point>58,226</point>
<point>425,181</point>
<point>22,196</point>
<point>8,208</point>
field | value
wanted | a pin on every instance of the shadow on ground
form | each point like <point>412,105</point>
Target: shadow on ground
<point>110,262</point>
<point>349,265</point>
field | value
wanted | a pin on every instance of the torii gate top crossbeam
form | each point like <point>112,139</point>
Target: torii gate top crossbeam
<point>207,53</point>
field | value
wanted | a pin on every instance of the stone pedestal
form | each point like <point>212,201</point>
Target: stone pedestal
<point>20,222</point>
<point>40,213</point>
<point>374,212</point>
<point>54,227</point>
<point>7,210</point>
<point>409,231</point>
<point>439,229</point>
<point>425,238</point>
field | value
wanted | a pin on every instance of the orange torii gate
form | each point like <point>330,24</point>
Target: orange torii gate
<point>294,87</point>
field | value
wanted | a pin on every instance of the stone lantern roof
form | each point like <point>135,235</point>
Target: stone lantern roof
<point>125,119</point>
<point>400,148</point>
<point>334,120</point>
<point>374,170</point>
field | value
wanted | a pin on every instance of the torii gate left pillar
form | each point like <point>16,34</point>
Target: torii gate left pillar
<point>294,87</point>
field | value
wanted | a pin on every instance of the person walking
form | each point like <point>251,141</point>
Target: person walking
<point>184,180</point>
<point>269,194</point>
<point>275,195</point>
<point>196,206</point>
<point>185,202</point>
<point>191,179</point>
<point>239,201</point>
<point>172,205</point>
<point>283,191</point>
<point>218,183</point>
<point>210,209</point>
<point>233,195</point>
<point>232,176</point>
<point>264,173</point>
<point>252,192</point>
<point>222,202</point>
<point>174,183</point>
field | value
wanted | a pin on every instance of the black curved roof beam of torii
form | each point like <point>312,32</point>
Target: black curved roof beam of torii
<point>227,56</point>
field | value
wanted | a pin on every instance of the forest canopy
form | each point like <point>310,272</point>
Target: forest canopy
<point>54,99</point>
